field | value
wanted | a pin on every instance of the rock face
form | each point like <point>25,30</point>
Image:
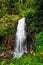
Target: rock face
<point>30,40</point>
<point>10,41</point>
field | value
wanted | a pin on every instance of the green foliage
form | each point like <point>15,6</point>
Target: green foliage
<point>25,8</point>
<point>3,48</point>
<point>3,63</point>
<point>30,14</point>
<point>39,39</point>
<point>35,59</point>
<point>10,12</point>
<point>17,8</point>
<point>33,16</point>
<point>39,5</point>
<point>29,3</point>
<point>39,42</point>
<point>7,24</point>
<point>25,60</point>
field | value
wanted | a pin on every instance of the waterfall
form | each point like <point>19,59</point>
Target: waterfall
<point>20,48</point>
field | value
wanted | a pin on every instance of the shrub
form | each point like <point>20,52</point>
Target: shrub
<point>39,42</point>
<point>7,24</point>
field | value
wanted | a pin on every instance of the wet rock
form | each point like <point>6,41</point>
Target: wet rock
<point>6,55</point>
<point>30,40</point>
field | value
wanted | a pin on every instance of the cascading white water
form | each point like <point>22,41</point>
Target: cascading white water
<point>20,48</point>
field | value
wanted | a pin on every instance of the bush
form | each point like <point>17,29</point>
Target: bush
<point>39,39</point>
<point>7,24</point>
<point>33,17</point>
<point>39,42</point>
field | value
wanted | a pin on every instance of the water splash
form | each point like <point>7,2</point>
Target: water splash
<point>20,48</point>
